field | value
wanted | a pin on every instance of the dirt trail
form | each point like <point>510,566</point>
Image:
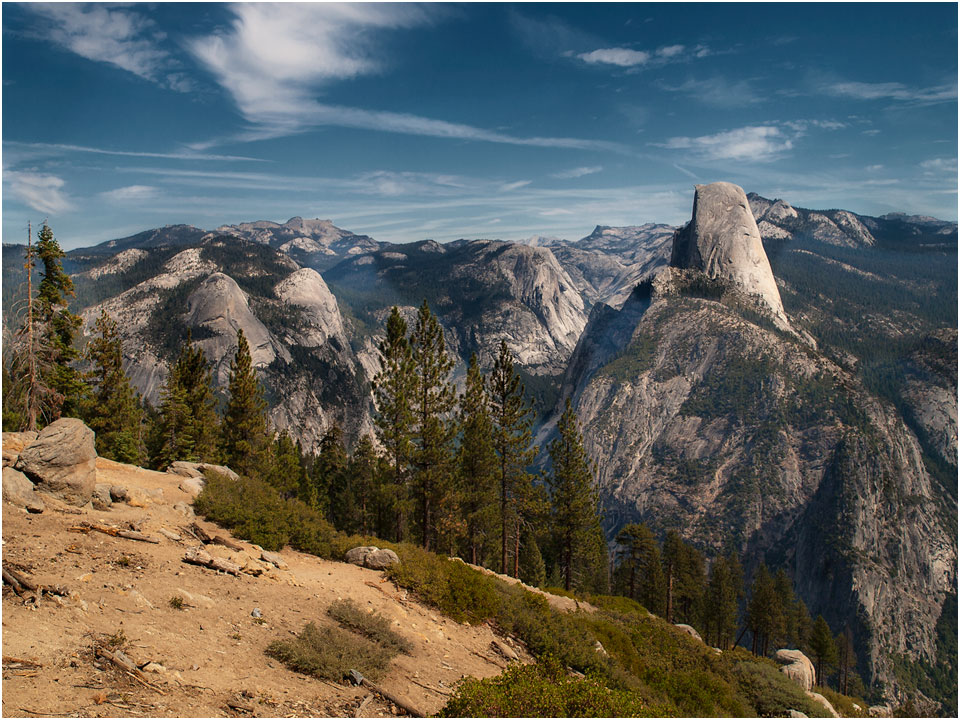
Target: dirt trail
<point>212,650</point>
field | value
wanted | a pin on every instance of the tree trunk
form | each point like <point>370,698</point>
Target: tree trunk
<point>670,594</point>
<point>516,549</point>
<point>503,515</point>
<point>568,561</point>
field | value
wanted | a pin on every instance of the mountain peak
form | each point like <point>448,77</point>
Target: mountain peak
<point>722,241</point>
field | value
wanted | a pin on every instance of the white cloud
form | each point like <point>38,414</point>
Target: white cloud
<point>579,172</point>
<point>131,193</point>
<point>509,187</point>
<point>752,144</point>
<point>938,166</point>
<point>56,148</point>
<point>874,168</point>
<point>112,35</point>
<point>893,91</point>
<point>670,51</point>
<point>621,57</point>
<point>43,192</point>
<point>718,92</point>
<point>276,59</point>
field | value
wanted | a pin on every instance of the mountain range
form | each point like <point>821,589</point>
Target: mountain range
<point>768,378</point>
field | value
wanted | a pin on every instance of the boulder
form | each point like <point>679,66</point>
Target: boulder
<point>358,555</point>
<point>273,558</point>
<point>193,486</point>
<point>62,461</point>
<point>13,445</point>
<point>798,667</point>
<point>818,698</point>
<point>118,493</point>
<point>796,714</point>
<point>371,557</point>
<point>184,509</point>
<point>102,499</point>
<point>381,559</point>
<point>880,711</point>
<point>18,490</point>
<point>142,497</point>
<point>689,631</point>
<point>197,470</point>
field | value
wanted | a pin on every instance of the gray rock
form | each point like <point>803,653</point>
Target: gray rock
<point>797,667</point>
<point>118,493</point>
<point>601,650</point>
<point>197,470</point>
<point>193,486</point>
<point>257,613</point>
<point>154,667</point>
<point>184,509</point>
<point>722,241</point>
<point>19,491</point>
<point>63,461</point>
<point>796,714</point>
<point>273,558</point>
<point>818,698</point>
<point>358,555</point>
<point>102,499</point>
<point>501,647</point>
<point>381,559</point>
<point>880,711</point>
<point>689,631</point>
<point>14,443</point>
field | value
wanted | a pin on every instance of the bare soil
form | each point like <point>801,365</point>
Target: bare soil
<point>211,649</point>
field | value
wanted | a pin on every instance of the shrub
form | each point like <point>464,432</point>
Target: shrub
<point>370,625</point>
<point>176,602</point>
<point>330,653</point>
<point>770,692</point>
<point>844,704</point>
<point>544,690</point>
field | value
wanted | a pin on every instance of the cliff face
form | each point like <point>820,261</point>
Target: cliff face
<point>707,416</point>
<point>224,284</point>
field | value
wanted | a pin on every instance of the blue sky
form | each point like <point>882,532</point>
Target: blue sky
<point>480,120</point>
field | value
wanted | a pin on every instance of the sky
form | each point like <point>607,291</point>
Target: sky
<point>414,121</point>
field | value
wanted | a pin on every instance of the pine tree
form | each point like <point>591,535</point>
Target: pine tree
<point>288,473</point>
<point>364,474</point>
<point>172,436</point>
<point>690,585</point>
<point>328,491</point>
<point>533,570</point>
<point>393,391</point>
<point>630,555</point>
<point>246,447</point>
<point>574,516</point>
<point>803,624</point>
<point>787,620</point>
<point>672,551</point>
<point>113,409</point>
<point>195,376</point>
<point>477,466</point>
<point>763,610</point>
<point>846,661</point>
<point>512,438</point>
<point>822,647</point>
<point>433,437</point>
<point>722,602</point>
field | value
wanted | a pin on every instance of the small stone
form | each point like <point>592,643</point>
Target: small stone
<point>256,613</point>
<point>118,493</point>
<point>154,667</point>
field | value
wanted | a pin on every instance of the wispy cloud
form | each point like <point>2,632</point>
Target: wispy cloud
<point>510,187</point>
<point>629,58</point>
<point>276,59</point>
<point>718,92</point>
<point>578,172</point>
<point>42,192</point>
<point>893,91</point>
<point>115,35</point>
<point>939,166</point>
<point>131,193</point>
<point>47,148</point>
<point>761,143</point>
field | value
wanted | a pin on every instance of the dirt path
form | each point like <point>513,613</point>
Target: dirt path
<point>212,650</point>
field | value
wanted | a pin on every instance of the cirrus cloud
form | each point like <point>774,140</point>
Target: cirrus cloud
<point>40,191</point>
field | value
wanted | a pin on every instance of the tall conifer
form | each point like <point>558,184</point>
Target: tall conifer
<point>512,438</point>
<point>433,438</point>
<point>574,499</point>
<point>393,392</point>
<point>245,444</point>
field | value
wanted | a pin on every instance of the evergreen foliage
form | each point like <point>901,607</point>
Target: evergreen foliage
<point>112,410</point>
<point>512,438</point>
<point>764,611</point>
<point>246,446</point>
<point>393,391</point>
<point>434,430</point>
<point>575,518</point>
<point>477,468</point>
<point>722,602</point>
<point>330,490</point>
<point>823,648</point>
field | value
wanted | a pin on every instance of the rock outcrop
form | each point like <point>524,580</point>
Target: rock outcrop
<point>62,461</point>
<point>371,557</point>
<point>689,630</point>
<point>723,242</point>
<point>797,667</point>
<point>18,490</point>
<point>13,445</point>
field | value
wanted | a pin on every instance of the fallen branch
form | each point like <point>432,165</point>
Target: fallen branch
<point>199,556</point>
<point>20,582</point>
<point>363,705</point>
<point>398,701</point>
<point>86,527</point>
<point>12,663</point>
<point>207,539</point>
<point>438,691</point>
<point>127,665</point>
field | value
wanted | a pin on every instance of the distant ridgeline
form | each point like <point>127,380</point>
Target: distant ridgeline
<point>766,387</point>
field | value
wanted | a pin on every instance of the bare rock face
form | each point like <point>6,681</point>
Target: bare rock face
<point>18,490</point>
<point>689,630</point>
<point>722,241</point>
<point>307,290</point>
<point>63,461</point>
<point>797,667</point>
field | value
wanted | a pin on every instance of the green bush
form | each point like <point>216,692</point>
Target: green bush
<point>844,705</point>
<point>544,690</point>
<point>770,692</point>
<point>330,653</point>
<point>370,625</point>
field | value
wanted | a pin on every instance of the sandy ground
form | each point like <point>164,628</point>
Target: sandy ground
<point>212,650</point>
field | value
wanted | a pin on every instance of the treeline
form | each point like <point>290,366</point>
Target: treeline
<point>671,580</point>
